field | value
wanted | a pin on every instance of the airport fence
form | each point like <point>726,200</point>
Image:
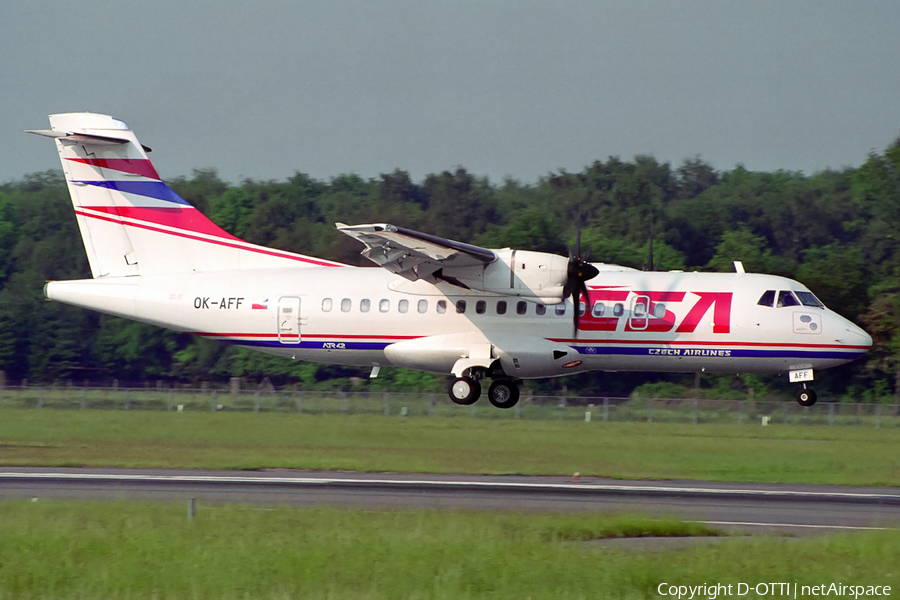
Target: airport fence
<point>435,404</point>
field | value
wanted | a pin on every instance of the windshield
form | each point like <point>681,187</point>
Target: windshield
<point>808,299</point>
<point>786,298</point>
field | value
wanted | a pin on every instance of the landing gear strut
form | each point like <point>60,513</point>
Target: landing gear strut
<point>806,396</point>
<point>503,393</point>
<point>464,390</point>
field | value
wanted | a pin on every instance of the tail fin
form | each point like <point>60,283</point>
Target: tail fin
<point>131,222</point>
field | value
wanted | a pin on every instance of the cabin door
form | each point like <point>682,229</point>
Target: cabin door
<point>289,320</point>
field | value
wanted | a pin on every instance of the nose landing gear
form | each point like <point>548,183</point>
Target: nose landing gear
<point>806,396</point>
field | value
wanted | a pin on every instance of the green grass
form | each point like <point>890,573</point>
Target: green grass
<point>139,550</point>
<point>749,452</point>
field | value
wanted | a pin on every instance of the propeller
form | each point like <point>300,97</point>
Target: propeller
<point>578,271</point>
<point>650,265</point>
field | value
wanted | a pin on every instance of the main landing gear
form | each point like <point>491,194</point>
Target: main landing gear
<point>464,390</point>
<point>502,393</point>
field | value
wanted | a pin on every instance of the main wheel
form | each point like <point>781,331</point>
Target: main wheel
<point>503,393</point>
<point>464,390</point>
<point>806,397</point>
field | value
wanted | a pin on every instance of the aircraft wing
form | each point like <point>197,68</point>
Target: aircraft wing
<point>412,254</point>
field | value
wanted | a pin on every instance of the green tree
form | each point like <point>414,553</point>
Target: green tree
<point>232,211</point>
<point>751,250</point>
<point>201,189</point>
<point>529,230</point>
<point>839,275</point>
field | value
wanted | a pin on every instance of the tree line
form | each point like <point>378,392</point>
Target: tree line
<point>837,231</point>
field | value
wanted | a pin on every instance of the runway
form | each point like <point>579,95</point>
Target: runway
<point>797,509</point>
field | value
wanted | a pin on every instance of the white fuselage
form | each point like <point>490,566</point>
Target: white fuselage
<point>636,321</point>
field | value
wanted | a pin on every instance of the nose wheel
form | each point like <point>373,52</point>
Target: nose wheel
<point>806,396</point>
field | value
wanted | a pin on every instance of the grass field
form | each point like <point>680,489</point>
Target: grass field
<point>778,453</point>
<point>137,550</point>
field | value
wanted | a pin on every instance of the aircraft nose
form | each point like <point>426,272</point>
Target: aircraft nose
<point>868,339</point>
<point>856,336</point>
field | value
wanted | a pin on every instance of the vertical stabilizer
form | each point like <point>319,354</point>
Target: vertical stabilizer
<point>106,241</point>
<point>131,222</point>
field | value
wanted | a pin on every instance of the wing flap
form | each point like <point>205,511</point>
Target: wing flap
<point>413,254</point>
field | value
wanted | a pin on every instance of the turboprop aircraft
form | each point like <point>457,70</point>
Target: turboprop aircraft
<point>435,305</point>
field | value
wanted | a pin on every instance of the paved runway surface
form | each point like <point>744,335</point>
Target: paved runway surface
<point>797,509</point>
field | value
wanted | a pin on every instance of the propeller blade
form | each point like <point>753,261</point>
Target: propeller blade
<point>575,317</point>
<point>584,291</point>
<point>578,271</point>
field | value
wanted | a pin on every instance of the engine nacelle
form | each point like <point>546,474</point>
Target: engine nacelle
<point>519,356</point>
<point>537,275</point>
<point>439,353</point>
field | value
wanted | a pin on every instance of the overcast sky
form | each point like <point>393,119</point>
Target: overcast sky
<point>503,88</point>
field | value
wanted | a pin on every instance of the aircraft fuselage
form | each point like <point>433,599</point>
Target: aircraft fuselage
<point>635,321</point>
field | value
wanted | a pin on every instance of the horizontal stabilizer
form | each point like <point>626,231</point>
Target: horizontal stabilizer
<point>83,138</point>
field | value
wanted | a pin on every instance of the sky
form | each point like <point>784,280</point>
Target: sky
<point>502,88</point>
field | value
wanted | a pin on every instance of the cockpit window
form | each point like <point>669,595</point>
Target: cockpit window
<point>786,298</point>
<point>767,299</point>
<point>808,299</point>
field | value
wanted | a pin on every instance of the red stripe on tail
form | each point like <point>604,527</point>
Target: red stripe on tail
<point>135,166</point>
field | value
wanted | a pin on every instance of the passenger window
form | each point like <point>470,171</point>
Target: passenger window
<point>501,307</point>
<point>581,309</point>
<point>618,309</point>
<point>364,305</point>
<point>345,305</point>
<point>659,311</point>
<point>384,305</point>
<point>767,299</point>
<point>461,306</point>
<point>403,306</point>
<point>640,309</point>
<point>422,306</point>
<point>540,309</point>
<point>786,298</point>
<point>598,309</point>
<point>480,307</point>
<point>560,309</point>
<point>808,299</point>
<point>521,307</point>
<point>441,306</point>
<point>326,305</point>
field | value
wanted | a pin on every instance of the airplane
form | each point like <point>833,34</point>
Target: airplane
<point>436,305</point>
